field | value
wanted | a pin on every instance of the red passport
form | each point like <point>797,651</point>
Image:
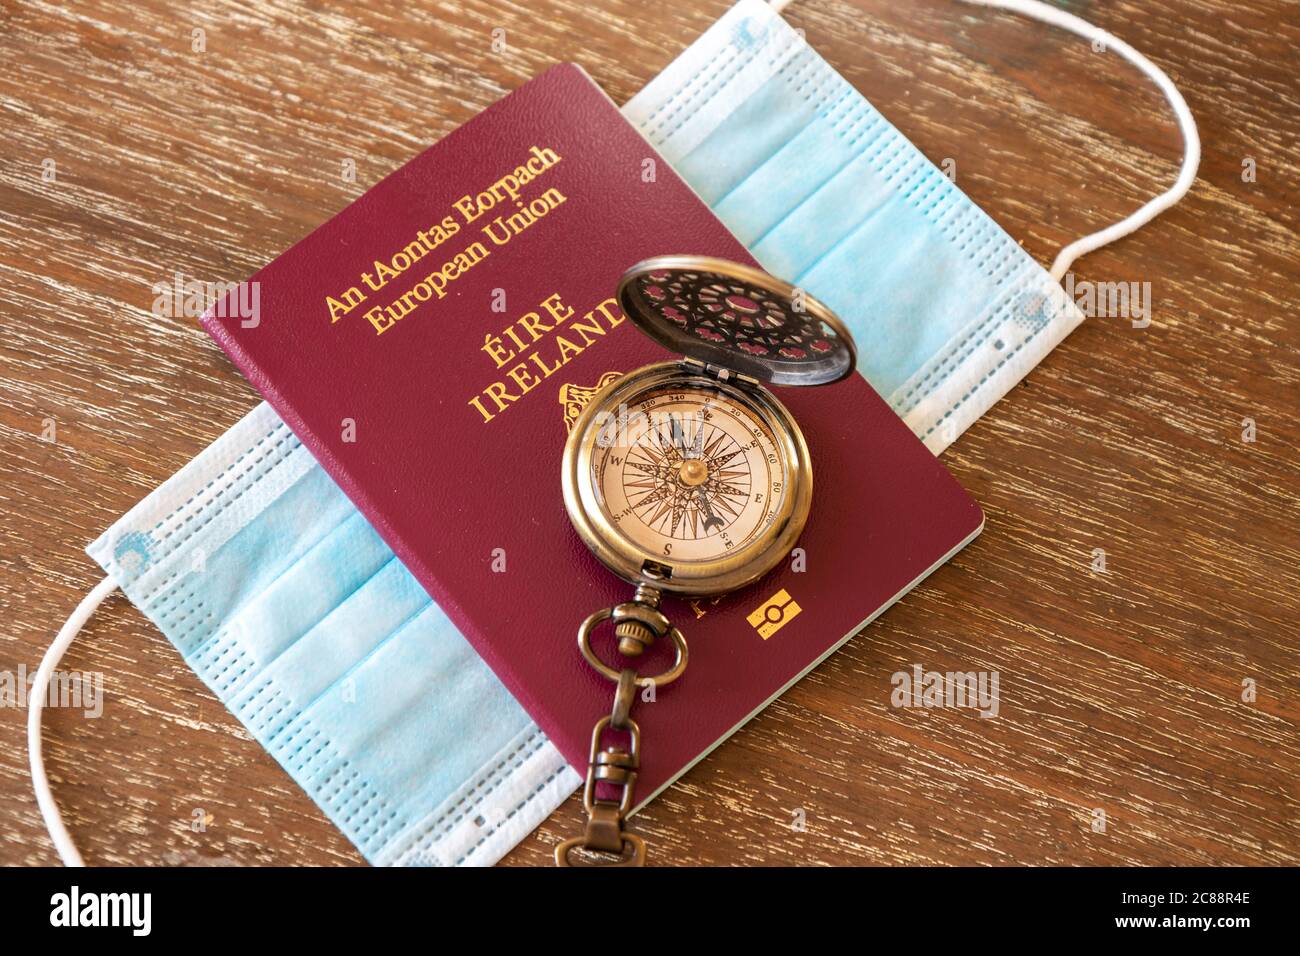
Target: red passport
<point>431,343</point>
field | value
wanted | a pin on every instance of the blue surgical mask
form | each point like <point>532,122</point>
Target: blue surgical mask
<point>288,605</point>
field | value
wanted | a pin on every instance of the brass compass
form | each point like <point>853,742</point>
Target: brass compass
<point>690,477</point>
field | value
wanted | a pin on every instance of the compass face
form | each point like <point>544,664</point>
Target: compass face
<point>688,473</point>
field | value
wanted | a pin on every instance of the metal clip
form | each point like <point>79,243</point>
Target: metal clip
<point>637,622</point>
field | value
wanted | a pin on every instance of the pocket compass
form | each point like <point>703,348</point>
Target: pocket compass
<point>689,478</point>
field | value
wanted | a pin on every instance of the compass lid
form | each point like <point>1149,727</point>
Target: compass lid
<point>737,317</point>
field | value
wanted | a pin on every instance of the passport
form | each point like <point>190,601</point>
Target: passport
<point>432,343</point>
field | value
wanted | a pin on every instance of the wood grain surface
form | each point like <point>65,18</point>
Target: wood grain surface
<point>1121,691</point>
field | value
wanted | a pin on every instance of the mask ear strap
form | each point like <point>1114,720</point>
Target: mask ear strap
<point>36,705</point>
<point>1186,124</point>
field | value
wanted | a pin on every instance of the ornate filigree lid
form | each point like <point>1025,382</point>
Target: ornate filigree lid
<point>733,316</point>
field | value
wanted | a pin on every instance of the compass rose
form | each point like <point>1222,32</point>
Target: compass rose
<point>687,478</point>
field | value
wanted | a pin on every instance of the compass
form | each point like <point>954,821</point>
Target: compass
<point>690,477</point>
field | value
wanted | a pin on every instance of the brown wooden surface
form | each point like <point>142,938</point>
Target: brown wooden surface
<point>1120,691</point>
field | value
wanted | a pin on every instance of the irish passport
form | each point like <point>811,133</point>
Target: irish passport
<point>432,343</point>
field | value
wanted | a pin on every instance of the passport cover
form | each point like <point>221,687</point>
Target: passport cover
<point>421,345</point>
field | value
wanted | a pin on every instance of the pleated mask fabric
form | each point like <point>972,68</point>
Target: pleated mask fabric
<point>286,603</point>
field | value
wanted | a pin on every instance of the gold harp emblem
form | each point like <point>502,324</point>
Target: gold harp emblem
<point>574,398</point>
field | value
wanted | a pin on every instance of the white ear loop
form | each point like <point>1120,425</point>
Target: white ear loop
<point>36,705</point>
<point>1186,124</point>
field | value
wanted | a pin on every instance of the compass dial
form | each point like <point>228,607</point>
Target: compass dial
<point>688,473</point>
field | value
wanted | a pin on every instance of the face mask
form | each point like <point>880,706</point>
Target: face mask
<point>288,605</point>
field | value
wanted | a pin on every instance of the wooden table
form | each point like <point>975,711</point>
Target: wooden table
<point>1121,691</point>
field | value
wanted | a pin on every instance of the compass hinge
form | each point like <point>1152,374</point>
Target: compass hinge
<point>719,372</point>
